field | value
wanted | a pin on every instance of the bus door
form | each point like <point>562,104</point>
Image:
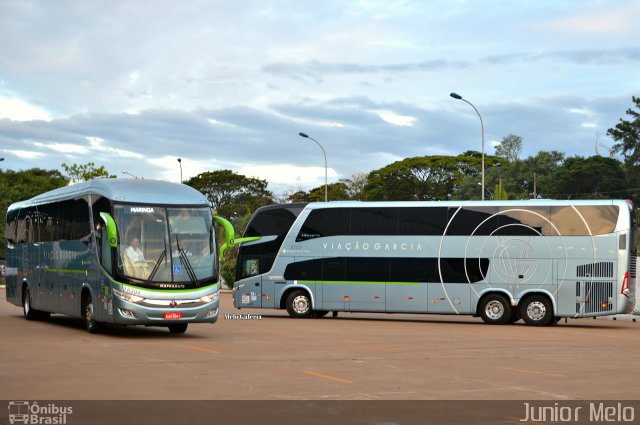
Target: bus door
<point>248,282</point>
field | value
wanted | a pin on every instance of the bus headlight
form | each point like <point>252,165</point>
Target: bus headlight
<point>211,297</point>
<point>127,297</point>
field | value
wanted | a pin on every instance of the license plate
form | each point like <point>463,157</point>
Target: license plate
<point>172,315</point>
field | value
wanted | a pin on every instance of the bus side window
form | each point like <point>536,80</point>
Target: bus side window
<point>250,267</point>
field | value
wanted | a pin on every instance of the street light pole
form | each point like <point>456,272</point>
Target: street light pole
<point>326,198</point>
<point>180,162</point>
<point>457,96</point>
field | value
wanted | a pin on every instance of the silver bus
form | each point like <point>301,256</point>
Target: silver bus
<point>121,251</point>
<point>536,260</point>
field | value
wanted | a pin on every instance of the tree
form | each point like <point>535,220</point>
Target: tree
<point>424,178</point>
<point>594,177</point>
<point>510,148</point>
<point>335,192</point>
<point>355,185</point>
<point>77,173</point>
<point>18,186</point>
<point>231,194</point>
<point>519,179</point>
<point>627,136</point>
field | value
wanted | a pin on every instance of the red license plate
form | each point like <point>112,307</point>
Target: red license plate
<point>172,315</point>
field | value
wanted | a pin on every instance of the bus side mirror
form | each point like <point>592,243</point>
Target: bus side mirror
<point>112,229</point>
<point>229,235</point>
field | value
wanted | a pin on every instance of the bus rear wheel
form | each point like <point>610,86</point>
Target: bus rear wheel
<point>495,309</point>
<point>536,310</point>
<point>178,329</point>
<point>29,312</point>
<point>299,304</point>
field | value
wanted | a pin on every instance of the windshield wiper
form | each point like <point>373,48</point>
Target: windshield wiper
<point>187,263</point>
<point>157,266</point>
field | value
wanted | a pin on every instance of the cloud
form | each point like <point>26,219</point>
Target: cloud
<point>317,70</point>
<point>19,110</point>
<point>614,19</point>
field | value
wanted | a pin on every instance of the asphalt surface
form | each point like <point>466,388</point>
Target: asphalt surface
<point>352,357</point>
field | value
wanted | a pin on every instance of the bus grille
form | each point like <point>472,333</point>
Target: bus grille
<point>632,266</point>
<point>596,299</point>
<point>601,269</point>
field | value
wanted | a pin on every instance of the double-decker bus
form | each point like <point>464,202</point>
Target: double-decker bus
<point>538,260</point>
<point>121,251</point>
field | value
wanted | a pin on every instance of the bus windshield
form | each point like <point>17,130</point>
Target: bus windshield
<point>164,246</point>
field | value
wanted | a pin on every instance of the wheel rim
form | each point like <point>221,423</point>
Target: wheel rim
<point>27,305</point>
<point>301,304</point>
<point>494,310</point>
<point>536,311</point>
<point>89,315</point>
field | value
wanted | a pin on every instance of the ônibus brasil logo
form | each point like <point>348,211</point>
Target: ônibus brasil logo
<point>26,412</point>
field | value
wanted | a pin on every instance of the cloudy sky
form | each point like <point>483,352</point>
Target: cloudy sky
<point>133,85</point>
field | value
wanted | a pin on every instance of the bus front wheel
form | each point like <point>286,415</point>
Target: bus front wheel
<point>178,329</point>
<point>495,309</point>
<point>536,310</point>
<point>299,304</point>
<point>90,322</point>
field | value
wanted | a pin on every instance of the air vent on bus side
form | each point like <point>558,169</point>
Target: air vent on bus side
<point>596,298</point>
<point>601,269</point>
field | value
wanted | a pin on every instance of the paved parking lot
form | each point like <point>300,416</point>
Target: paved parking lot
<point>352,357</point>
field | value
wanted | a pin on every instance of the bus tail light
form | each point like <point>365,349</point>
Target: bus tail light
<point>625,285</point>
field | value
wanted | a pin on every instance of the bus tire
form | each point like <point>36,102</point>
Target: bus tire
<point>536,310</point>
<point>88,314</point>
<point>29,312</point>
<point>495,309</point>
<point>178,329</point>
<point>299,304</point>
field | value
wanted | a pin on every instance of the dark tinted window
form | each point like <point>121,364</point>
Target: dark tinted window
<point>275,221</point>
<point>333,269</point>
<point>532,221</point>
<point>324,223</point>
<point>422,221</point>
<point>352,269</point>
<point>12,226</point>
<point>599,219</point>
<point>367,269</point>
<point>413,270</point>
<point>374,221</point>
<point>459,270</point>
<point>258,258</point>
<point>479,221</point>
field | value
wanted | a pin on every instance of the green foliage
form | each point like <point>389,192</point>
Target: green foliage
<point>231,194</point>
<point>424,178</point>
<point>335,192</point>
<point>77,173</point>
<point>627,136</point>
<point>499,193</point>
<point>587,178</point>
<point>510,148</point>
<point>228,263</point>
<point>21,185</point>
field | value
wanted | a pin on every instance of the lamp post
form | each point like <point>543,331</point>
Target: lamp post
<point>457,96</point>
<point>326,198</point>
<point>128,174</point>
<point>180,162</point>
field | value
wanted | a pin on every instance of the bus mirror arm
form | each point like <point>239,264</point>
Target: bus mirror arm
<point>112,229</point>
<point>234,242</point>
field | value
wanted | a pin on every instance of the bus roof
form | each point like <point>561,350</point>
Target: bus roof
<point>138,191</point>
<point>523,203</point>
